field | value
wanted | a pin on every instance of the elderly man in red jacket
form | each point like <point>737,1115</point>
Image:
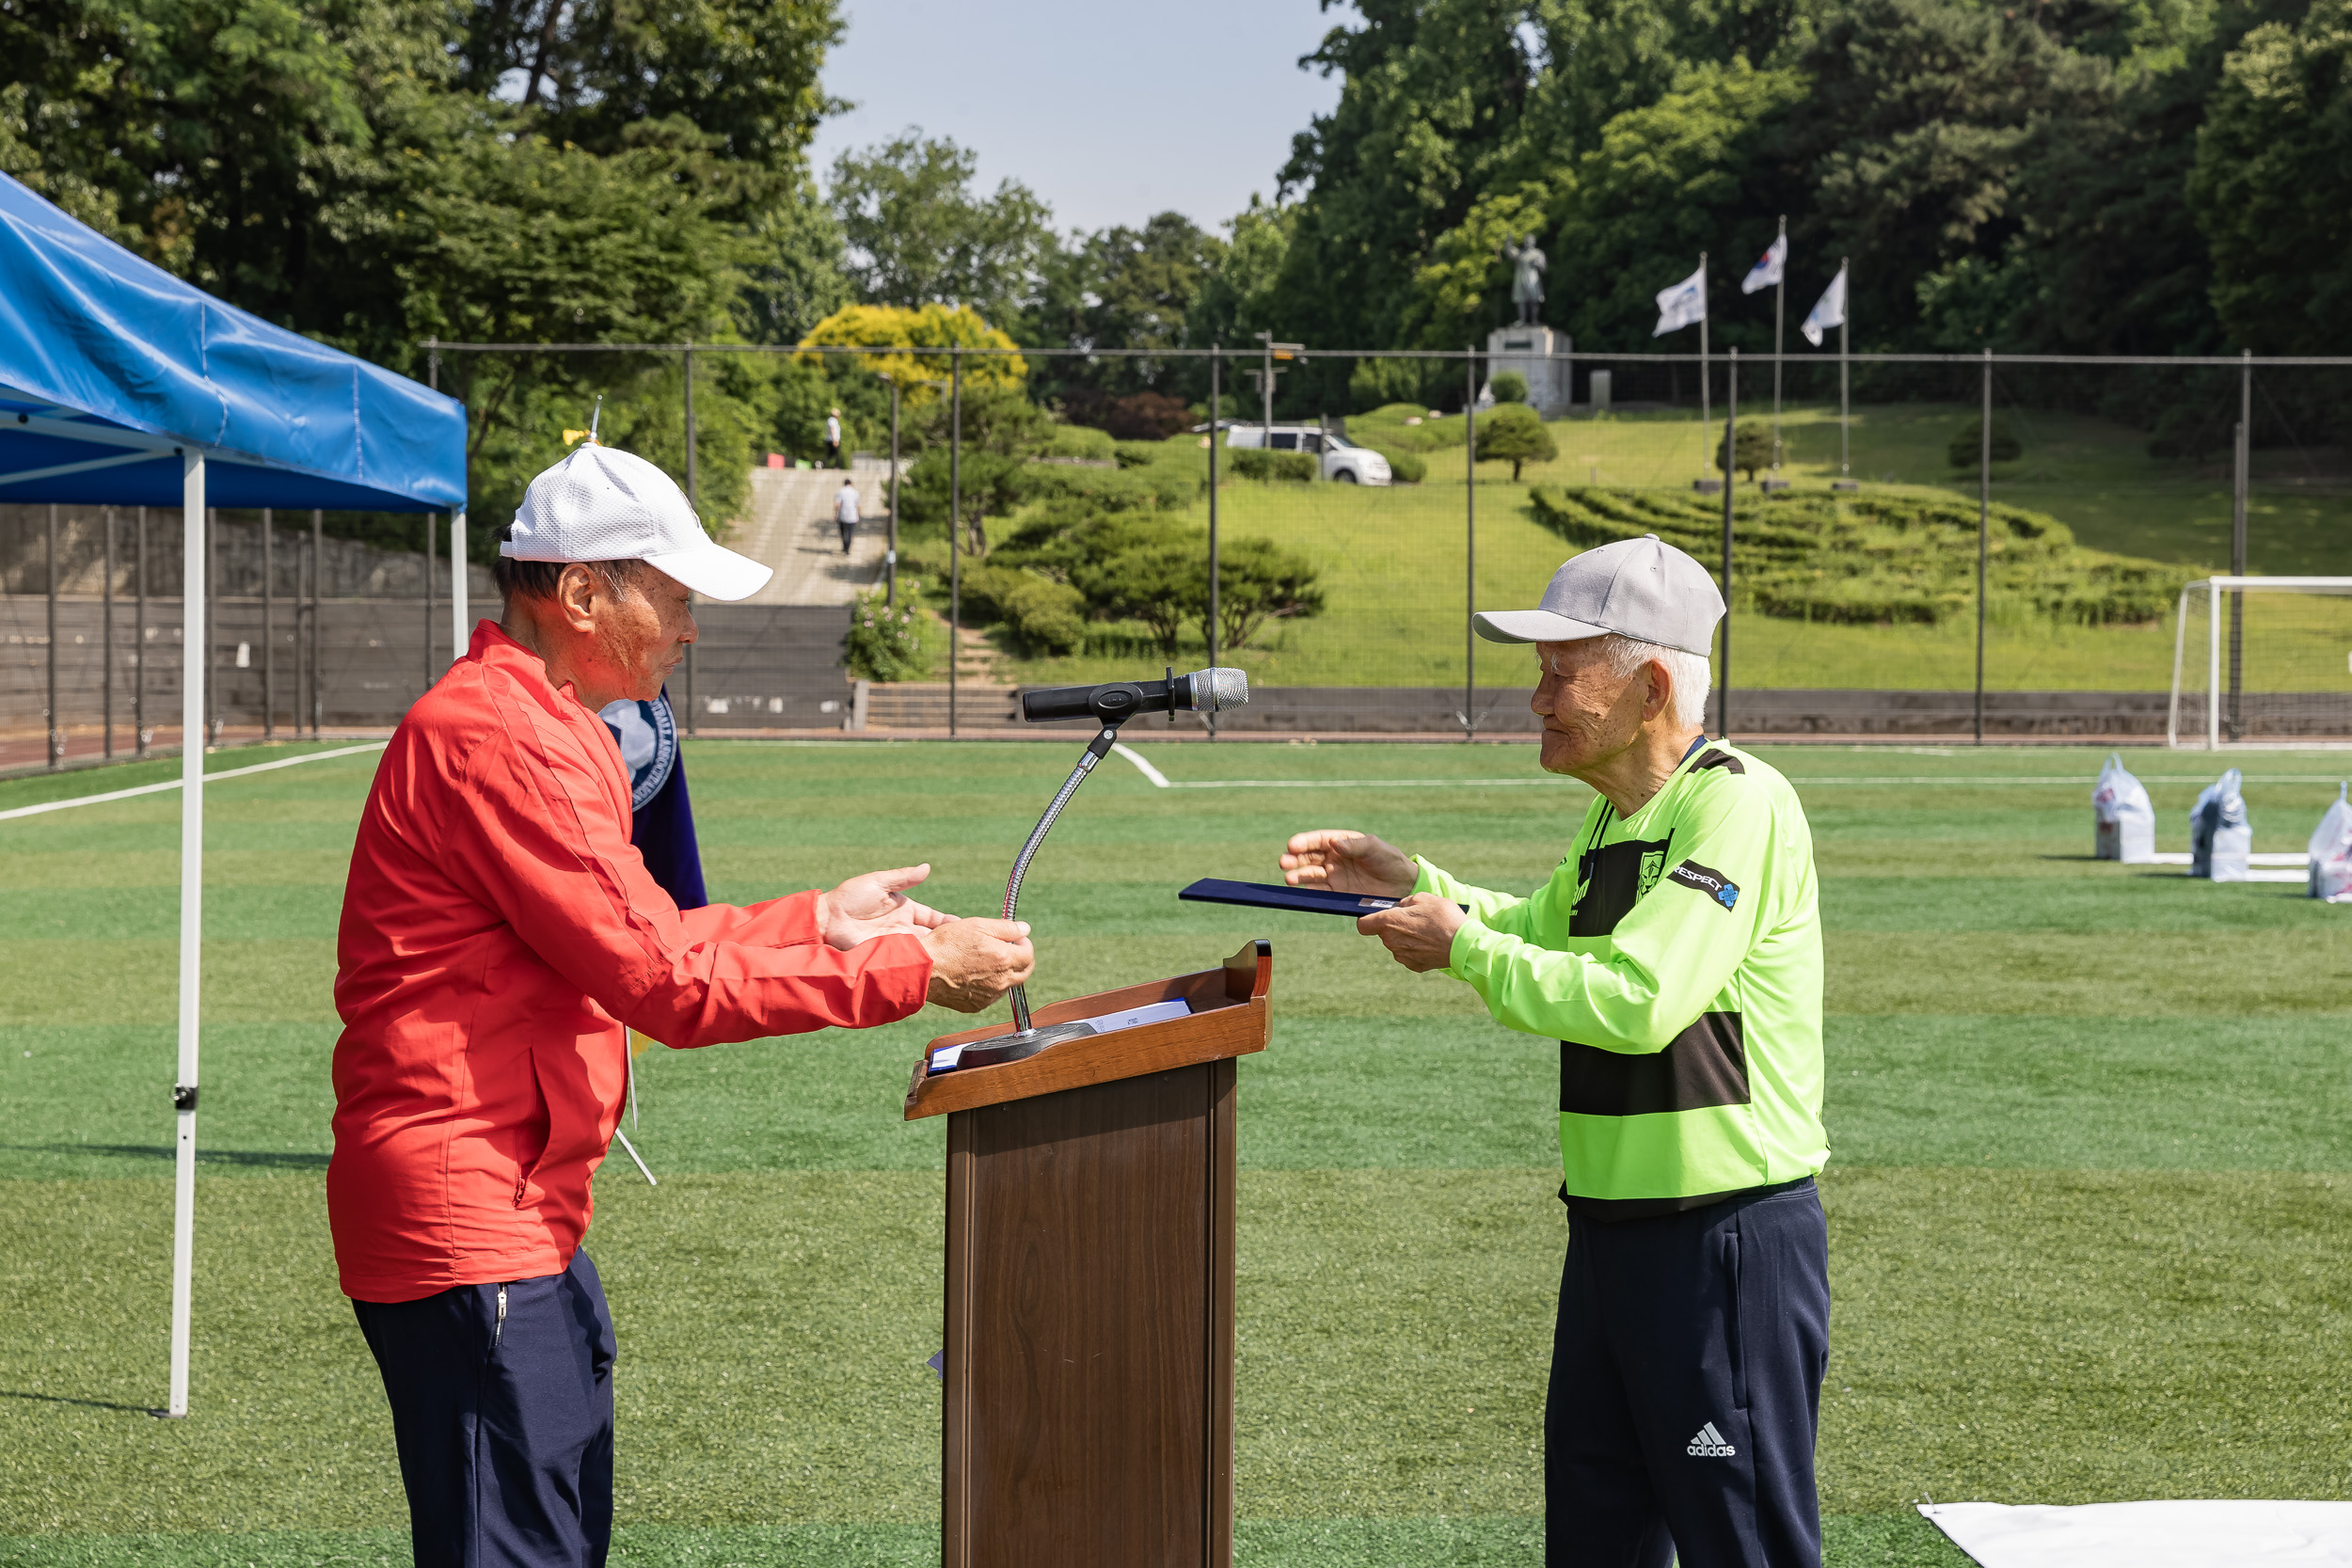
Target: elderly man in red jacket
<point>499,937</point>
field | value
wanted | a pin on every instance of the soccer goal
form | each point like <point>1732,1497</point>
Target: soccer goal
<point>2263,662</point>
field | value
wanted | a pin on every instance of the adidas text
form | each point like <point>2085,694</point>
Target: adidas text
<point>1707,1443</point>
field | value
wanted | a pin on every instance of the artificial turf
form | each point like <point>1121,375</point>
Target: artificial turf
<point>2087,1204</point>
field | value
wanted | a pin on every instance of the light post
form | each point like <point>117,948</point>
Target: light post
<point>1273,351</point>
<point>890,555</point>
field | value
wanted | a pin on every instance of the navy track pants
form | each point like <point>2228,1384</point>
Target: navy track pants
<point>504,1428</point>
<point>1686,1387</point>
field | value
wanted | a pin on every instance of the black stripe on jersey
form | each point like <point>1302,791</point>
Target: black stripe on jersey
<point>1725,760</point>
<point>1706,1064</point>
<point>1612,879</point>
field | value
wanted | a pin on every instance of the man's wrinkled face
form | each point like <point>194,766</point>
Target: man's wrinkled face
<point>1589,713</point>
<point>641,631</point>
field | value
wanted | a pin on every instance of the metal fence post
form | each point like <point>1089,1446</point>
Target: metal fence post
<point>1732,423</point>
<point>106,636</point>
<point>1470,549</point>
<point>955,527</point>
<point>269,626</point>
<point>139,645</point>
<point>54,727</point>
<point>318,607</point>
<point>2240,493</point>
<point>1216,388</point>
<point>432,600</point>
<point>693,504</point>
<point>1984,513</point>
<point>890,556</point>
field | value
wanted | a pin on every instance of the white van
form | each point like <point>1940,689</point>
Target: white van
<point>1342,459</point>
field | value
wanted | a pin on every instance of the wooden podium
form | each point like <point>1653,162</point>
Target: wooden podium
<point>1090,1355</point>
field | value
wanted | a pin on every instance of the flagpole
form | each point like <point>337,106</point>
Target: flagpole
<point>1707,417</point>
<point>1780,291</point>
<point>1845,418</point>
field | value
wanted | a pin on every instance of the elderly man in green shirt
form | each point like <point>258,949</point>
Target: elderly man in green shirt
<point>1675,953</point>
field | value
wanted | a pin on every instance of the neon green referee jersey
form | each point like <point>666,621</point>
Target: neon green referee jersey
<point>1677,955</point>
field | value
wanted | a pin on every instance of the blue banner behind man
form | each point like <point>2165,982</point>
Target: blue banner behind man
<point>662,826</point>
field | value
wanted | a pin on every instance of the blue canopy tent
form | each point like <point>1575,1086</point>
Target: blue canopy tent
<point>121,385</point>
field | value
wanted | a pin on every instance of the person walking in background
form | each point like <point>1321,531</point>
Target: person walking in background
<point>833,439</point>
<point>845,513</point>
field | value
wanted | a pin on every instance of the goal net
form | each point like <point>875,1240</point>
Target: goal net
<point>2261,661</point>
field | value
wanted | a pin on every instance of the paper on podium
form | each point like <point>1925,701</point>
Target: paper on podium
<point>947,1056</point>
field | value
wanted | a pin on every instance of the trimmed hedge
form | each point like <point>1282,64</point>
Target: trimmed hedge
<point>1404,466</point>
<point>1041,615</point>
<point>1875,559</point>
<point>1287,468</point>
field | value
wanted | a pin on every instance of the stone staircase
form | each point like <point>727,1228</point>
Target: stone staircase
<point>923,705</point>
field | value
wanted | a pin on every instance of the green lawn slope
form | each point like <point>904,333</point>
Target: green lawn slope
<point>2084,606</point>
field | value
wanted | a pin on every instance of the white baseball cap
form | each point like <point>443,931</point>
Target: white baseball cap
<point>1643,589</point>
<point>600,505</point>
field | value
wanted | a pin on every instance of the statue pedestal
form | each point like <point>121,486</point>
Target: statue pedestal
<point>1538,354</point>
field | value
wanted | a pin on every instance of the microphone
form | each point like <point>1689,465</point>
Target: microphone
<point>1203,691</point>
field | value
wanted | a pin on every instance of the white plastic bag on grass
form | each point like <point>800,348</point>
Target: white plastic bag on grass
<point>2123,823</point>
<point>2331,852</point>
<point>2220,840</point>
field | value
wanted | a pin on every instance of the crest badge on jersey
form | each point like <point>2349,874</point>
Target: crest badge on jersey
<point>1653,868</point>
<point>647,735</point>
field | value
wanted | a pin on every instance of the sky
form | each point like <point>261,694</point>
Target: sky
<point>1110,112</point>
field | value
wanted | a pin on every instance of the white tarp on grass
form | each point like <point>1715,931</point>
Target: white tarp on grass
<point>2149,1534</point>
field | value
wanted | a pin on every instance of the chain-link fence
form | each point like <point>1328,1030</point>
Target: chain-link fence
<point>1898,562</point>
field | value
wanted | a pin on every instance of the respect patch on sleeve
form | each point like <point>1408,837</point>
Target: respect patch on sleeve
<point>1691,874</point>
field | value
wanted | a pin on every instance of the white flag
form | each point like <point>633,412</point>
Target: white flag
<point>1828,311</point>
<point>1770,269</point>
<point>1683,305</point>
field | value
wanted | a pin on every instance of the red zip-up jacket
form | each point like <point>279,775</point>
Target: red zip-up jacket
<point>498,932</point>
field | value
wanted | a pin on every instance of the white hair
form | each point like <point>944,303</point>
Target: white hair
<point>1688,672</point>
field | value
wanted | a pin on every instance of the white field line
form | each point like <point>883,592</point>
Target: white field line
<point>2266,857</point>
<point>174,784</point>
<point>1161,781</point>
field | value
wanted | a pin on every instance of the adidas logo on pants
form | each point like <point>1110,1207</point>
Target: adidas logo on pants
<point>1707,1443</point>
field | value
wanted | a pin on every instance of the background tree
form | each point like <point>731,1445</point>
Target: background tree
<point>1515,434</point>
<point>1122,289</point>
<point>2272,185</point>
<point>918,233</point>
<point>1751,449</point>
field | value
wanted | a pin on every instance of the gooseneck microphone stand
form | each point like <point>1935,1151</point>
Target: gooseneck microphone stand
<point>1113,705</point>
<point>1204,691</point>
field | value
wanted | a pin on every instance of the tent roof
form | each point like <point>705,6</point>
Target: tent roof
<point>110,366</point>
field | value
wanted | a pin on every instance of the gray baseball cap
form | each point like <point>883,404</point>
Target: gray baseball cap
<point>1641,588</point>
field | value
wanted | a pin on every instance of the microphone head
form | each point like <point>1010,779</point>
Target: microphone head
<point>1214,691</point>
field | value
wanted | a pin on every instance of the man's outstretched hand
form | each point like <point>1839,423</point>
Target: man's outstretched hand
<point>876,905</point>
<point>976,962</point>
<point>1345,861</point>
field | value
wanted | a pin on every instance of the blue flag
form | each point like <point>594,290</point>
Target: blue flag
<point>662,822</point>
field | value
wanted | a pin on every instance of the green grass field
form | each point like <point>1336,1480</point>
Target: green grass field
<point>2092,1171</point>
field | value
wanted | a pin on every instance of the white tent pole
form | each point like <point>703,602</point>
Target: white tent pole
<point>461,633</point>
<point>192,660</point>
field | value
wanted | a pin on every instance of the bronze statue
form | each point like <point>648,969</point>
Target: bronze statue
<point>1527,277</point>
